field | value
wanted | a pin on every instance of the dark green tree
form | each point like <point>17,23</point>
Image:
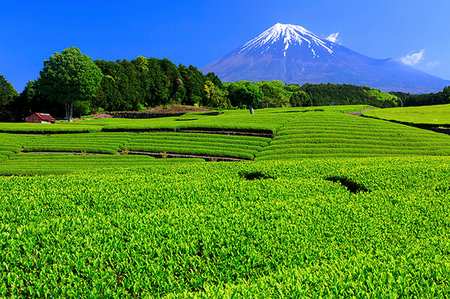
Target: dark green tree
<point>249,96</point>
<point>68,77</point>
<point>300,99</point>
<point>214,79</point>
<point>7,96</point>
<point>194,83</point>
<point>26,103</point>
<point>215,96</point>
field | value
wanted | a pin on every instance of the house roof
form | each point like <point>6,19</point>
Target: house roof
<point>45,116</point>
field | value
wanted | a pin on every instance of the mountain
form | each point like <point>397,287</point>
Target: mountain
<point>293,54</point>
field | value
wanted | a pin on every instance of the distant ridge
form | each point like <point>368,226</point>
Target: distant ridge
<point>293,54</point>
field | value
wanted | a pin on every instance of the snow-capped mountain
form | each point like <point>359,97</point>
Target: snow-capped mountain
<point>280,37</point>
<point>293,54</point>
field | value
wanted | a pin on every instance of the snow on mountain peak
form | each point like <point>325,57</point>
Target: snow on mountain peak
<point>289,35</point>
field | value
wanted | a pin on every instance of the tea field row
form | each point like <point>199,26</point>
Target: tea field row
<point>337,134</point>
<point>437,115</point>
<point>264,120</point>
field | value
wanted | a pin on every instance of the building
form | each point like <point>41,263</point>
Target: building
<point>40,118</point>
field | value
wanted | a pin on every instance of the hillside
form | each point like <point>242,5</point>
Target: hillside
<point>294,133</point>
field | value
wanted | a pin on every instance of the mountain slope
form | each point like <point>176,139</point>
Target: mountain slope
<point>293,54</point>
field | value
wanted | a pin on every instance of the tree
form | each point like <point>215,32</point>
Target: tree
<point>250,96</point>
<point>68,77</point>
<point>216,97</point>
<point>7,96</point>
<point>194,83</point>
<point>300,99</point>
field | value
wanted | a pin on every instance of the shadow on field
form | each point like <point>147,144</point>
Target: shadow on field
<point>351,186</point>
<point>255,175</point>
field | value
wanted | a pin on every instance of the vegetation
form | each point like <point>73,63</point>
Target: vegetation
<point>108,143</point>
<point>335,205</point>
<point>435,115</point>
<point>249,96</point>
<point>141,83</point>
<point>299,133</point>
<point>344,94</point>
<point>7,95</point>
<point>325,134</point>
<point>208,230</point>
<point>244,147</point>
<point>68,77</point>
<point>47,128</point>
<point>60,163</point>
<point>408,99</point>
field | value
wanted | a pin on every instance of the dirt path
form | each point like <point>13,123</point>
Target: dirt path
<point>359,113</point>
<point>156,155</point>
<point>171,155</point>
<point>258,134</point>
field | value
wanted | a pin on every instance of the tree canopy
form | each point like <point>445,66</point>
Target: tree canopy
<point>248,95</point>
<point>68,77</point>
<point>71,81</point>
<point>7,95</point>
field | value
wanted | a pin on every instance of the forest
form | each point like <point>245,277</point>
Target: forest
<point>143,83</point>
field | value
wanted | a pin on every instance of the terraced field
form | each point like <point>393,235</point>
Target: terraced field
<point>108,143</point>
<point>366,227</point>
<point>55,163</point>
<point>435,115</point>
<point>300,134</point>
<point>11,144</point>
<point>323,134</point>
<point>47,128</point>
<point>335,205</point>
<point>217,145</point>
<point>264,120</point>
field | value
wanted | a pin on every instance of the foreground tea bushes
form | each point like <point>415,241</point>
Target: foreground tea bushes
<point>205,229</point>
<point>323,134</point>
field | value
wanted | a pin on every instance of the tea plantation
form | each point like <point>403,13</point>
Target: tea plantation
<point>207,229</point>
<point>438,115</point>
<point>323,204</point>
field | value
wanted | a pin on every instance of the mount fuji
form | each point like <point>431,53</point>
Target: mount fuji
<point>293,54</point>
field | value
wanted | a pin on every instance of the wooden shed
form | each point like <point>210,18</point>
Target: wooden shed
<point>40,118</point>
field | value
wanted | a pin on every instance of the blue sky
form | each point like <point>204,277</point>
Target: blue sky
<point>198,32</point>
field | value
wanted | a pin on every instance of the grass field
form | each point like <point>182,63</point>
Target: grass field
<point>335,205</point>
<point>206,230</point>
<point>438,115</point>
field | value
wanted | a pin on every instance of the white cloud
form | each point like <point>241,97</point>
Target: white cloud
<point>433,63</point>
<point>414,58</point>
<point>333,37</point>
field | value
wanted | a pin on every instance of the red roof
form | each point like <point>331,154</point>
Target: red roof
<point>45,116</point>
